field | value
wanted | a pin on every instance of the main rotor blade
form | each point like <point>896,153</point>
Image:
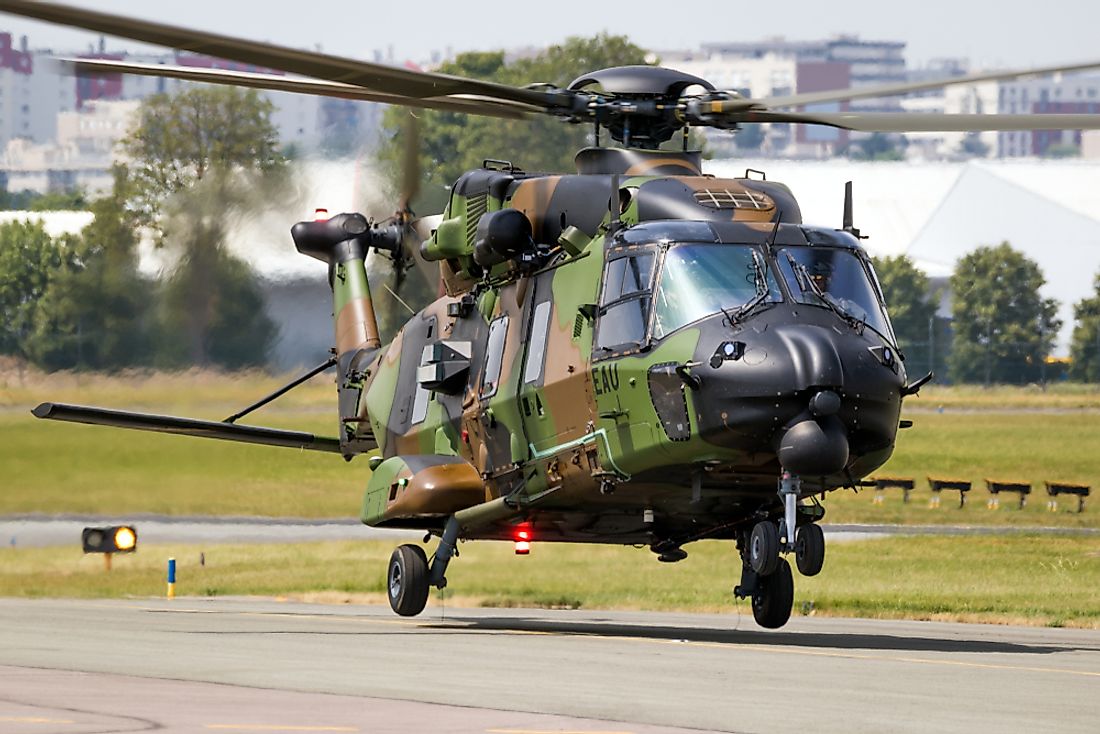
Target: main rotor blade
<point>377,77</point>
<point>906,122</point>
<point>890,90</point>
<point>299,85</point>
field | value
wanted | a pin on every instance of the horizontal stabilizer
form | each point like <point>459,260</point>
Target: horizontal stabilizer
<point>186,427</point>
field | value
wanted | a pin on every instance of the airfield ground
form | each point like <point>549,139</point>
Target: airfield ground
<point>1015,434</point>
<point>1024,434</point>
<point>249,665</point>
<point>1006,579</point>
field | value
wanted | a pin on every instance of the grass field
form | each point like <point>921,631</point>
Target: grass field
<point>1039,580</point>
<point>50,467</point>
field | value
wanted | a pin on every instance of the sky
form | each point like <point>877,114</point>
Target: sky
<point>1006,34</point>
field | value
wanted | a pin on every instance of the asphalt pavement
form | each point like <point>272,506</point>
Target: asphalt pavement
<point>262,665</point>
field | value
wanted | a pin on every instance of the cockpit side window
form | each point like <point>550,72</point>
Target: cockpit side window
<point>627,276</point>
<point>624,302</point>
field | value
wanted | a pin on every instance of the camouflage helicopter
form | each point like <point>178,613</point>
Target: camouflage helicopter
<point>635,353</point>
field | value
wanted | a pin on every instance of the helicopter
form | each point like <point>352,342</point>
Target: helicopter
<point>634,354</point>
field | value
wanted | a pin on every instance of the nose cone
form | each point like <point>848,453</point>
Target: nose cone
<point>814,448</point>
<point>802,385</point>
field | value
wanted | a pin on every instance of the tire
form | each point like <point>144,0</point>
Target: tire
<point>764,548</point>
<point>774,597</point>
<point>809,550</point>
<point>407,580</point>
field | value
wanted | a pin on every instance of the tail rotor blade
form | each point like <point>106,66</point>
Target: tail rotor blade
<point>410,163</point>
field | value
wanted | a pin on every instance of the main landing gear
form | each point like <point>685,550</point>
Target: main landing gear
<point>765,575</point>
<point>409,578</point>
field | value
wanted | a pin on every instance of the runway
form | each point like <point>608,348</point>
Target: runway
<point>261,665</point>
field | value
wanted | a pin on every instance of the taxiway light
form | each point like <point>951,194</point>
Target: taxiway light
<point>114,539</point>
<point>125,539</point>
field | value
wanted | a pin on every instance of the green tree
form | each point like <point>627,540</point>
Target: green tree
<point>452,143</point>
<point>29,257</point>
<point>93,313</point>
<point>1004,329</point>
<point>199,158</point>
<point>912,307</point>
<point>1085,348</point>
<point>879,147</point>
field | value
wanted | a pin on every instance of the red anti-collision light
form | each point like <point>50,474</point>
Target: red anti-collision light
<point>320,214</point>
<point>523,535</point>
<point>523,548</point>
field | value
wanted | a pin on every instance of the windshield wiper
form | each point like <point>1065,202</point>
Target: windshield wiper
<point>761,282</point>
<point>805,282</point>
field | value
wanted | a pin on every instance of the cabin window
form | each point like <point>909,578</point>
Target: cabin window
<point>536,350</point>
<point>423,395</point>
<point>494,356</point>
<point>420,399</point>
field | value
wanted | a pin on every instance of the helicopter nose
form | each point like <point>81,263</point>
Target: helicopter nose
<point>813,355</point>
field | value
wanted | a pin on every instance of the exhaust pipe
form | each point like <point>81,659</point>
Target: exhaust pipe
<point>342,243</point>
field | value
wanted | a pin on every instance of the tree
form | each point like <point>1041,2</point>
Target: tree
<point>973,145</point>
<point>879,147</point>
<point>93,313</point>
<point>200,157</point>
<point>1085,348</point>
<point>452,143</point>
<point>912,308</point>
<point>1004,329</point>
<point>28,259</point>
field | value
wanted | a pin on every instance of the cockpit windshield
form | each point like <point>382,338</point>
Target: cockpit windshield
<point>834,278</point>
<point>698,280</point>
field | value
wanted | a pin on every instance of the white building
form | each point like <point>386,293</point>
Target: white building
<point>80,157</point>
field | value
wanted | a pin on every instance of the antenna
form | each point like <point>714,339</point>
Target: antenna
<point>848,225</point>
<point>613,204</point>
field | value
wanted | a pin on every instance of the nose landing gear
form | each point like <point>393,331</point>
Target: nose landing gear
<point>765,575</point>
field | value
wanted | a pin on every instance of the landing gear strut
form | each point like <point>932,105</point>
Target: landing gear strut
<point>766,576</point>
<point>409,578</point>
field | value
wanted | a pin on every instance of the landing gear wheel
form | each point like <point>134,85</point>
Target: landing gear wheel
<point>809,550</point>
<point>774,597</point>
<point>764,548</point>
<point>407,580</point>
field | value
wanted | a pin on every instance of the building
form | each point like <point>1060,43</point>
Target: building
<point>779,67</point>
<point>80,157</point>
<point>981,98</point>
<point>1078,93</point>
<point>870,62</point>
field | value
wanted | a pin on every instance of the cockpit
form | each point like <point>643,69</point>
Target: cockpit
<point>663,276</point>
